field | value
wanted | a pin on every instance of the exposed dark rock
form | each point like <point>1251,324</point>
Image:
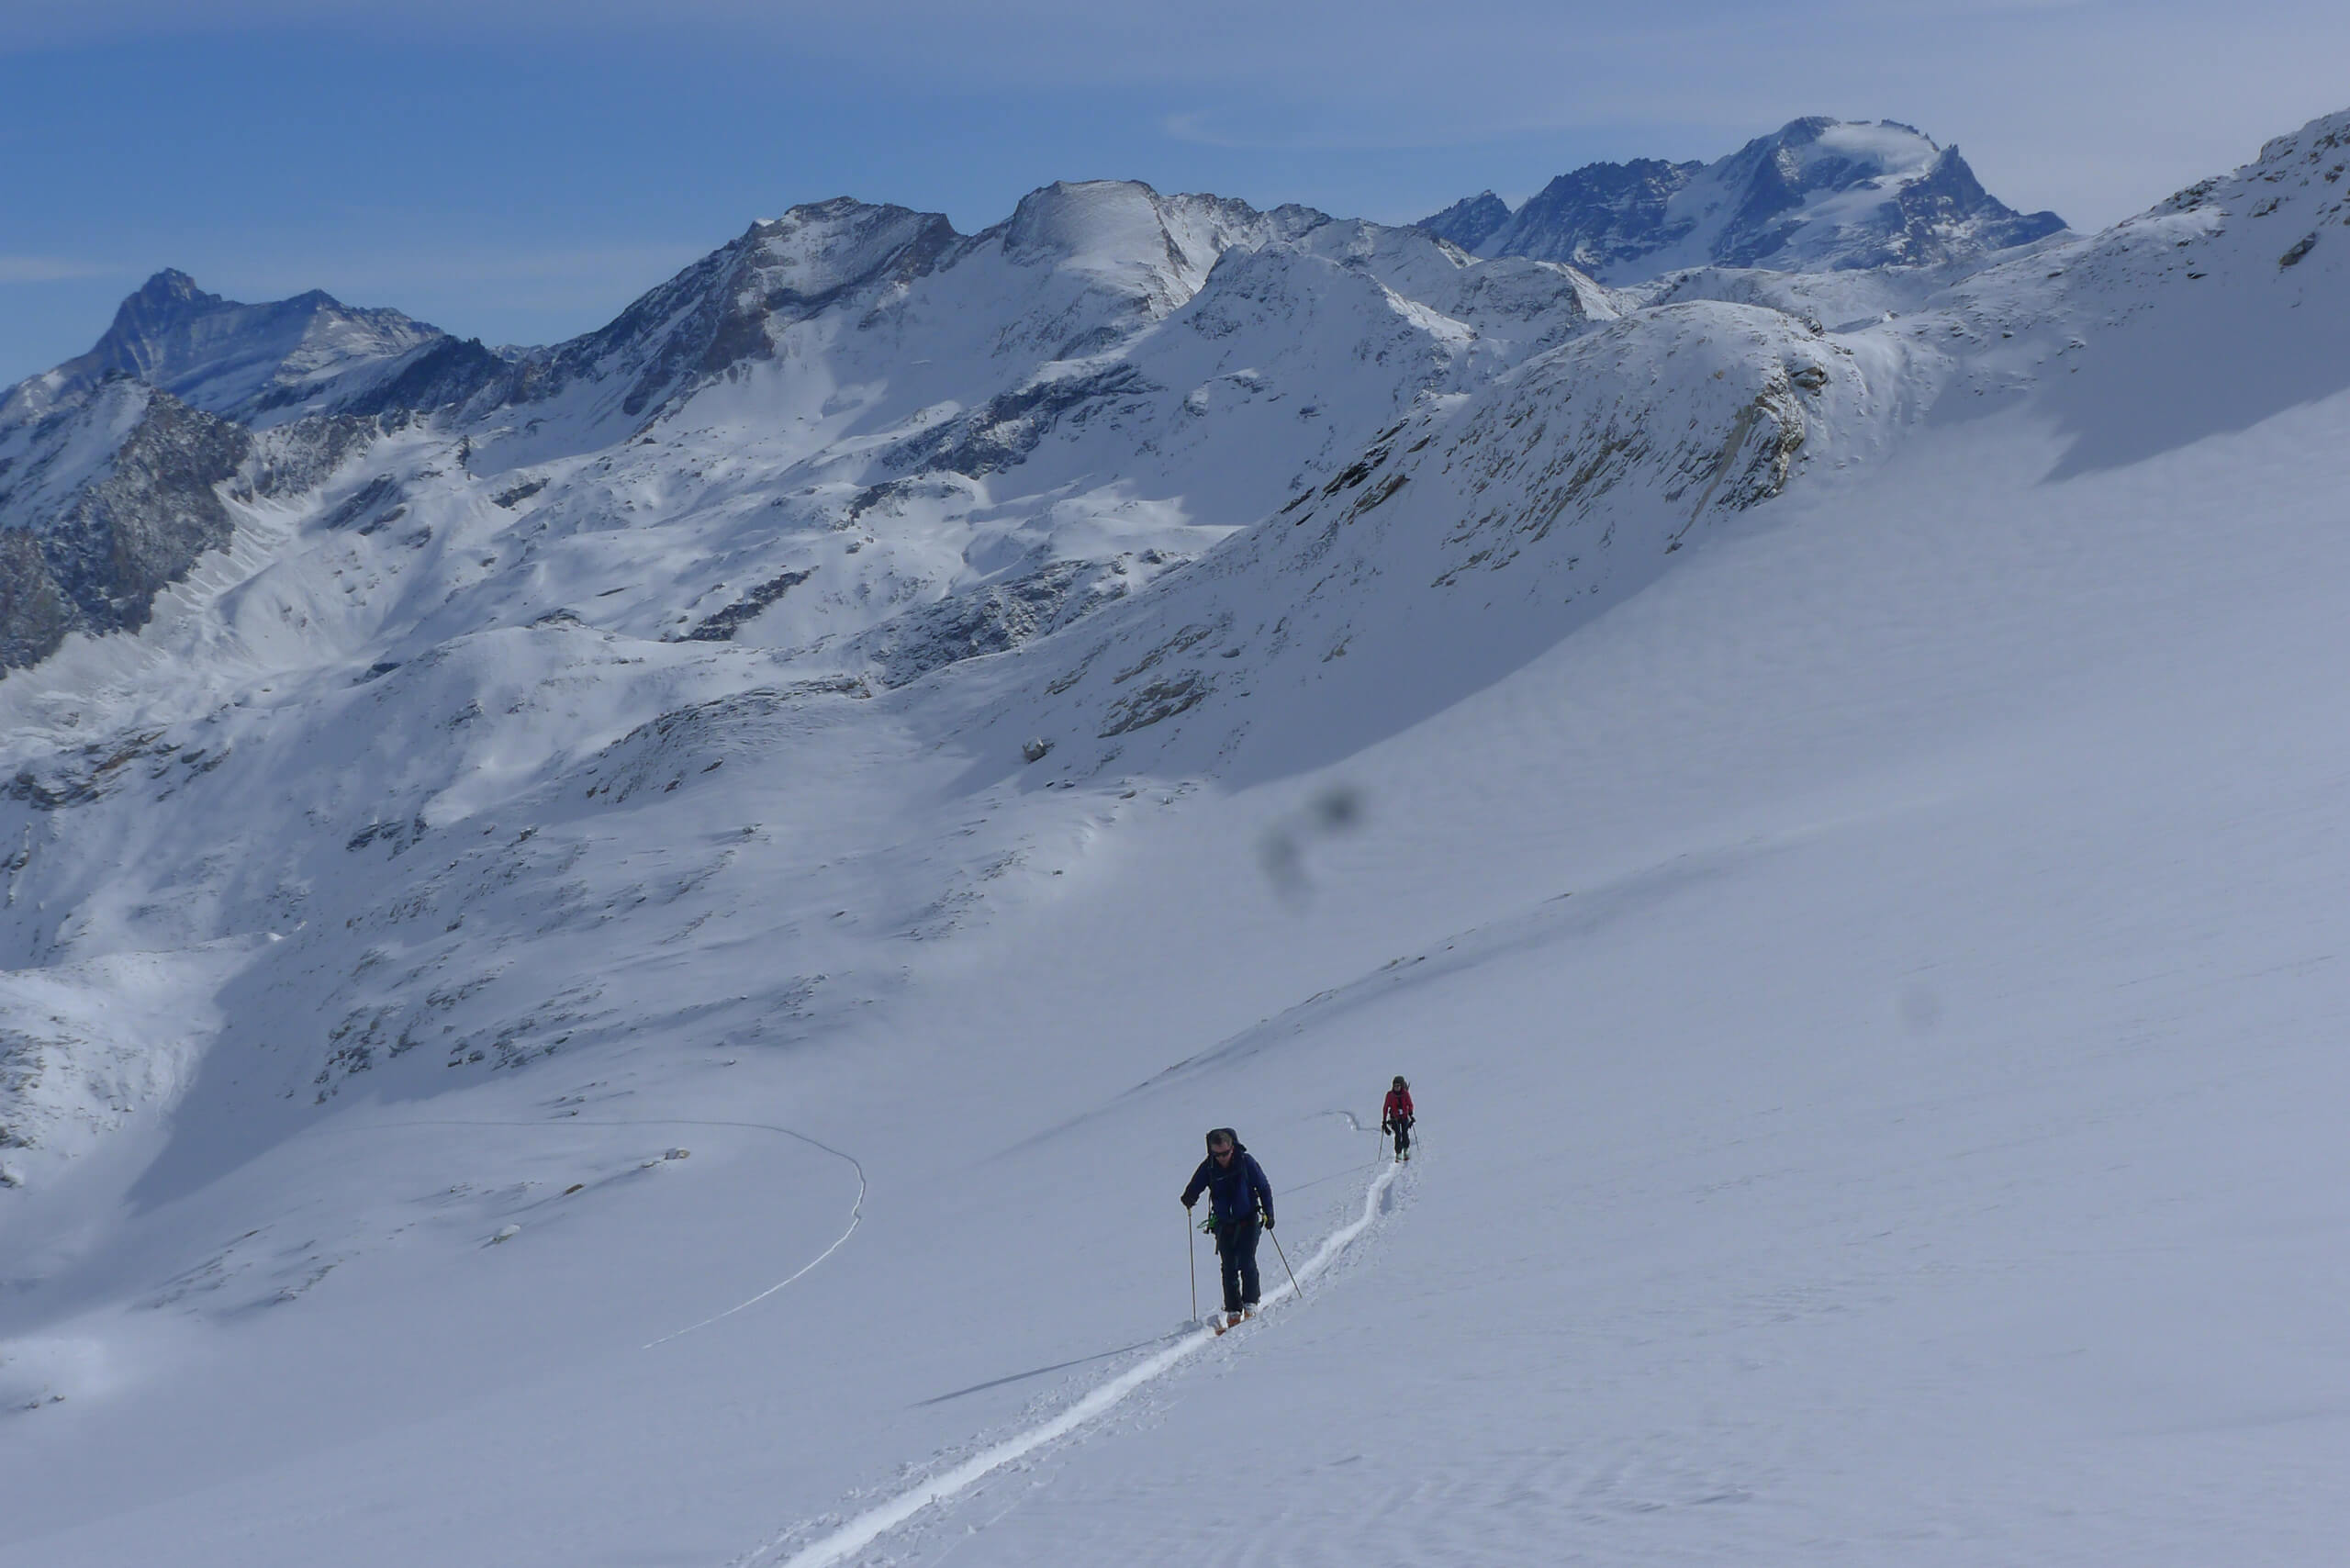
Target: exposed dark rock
<point>996,437</point>
<point>93,772</point>
<point>95,559</point>
<point>302,456</point>
<point>442,373</point>
<point>720,311</point>
<point>370,504</point>
<point>1468,223</point>
<point>721,627</point>
<point>1160,701</point>
<point>987,620</point>
<point>398,834</point>
<point>1599,216</point>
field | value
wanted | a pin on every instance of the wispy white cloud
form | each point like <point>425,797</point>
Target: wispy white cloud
<point>50,269</point>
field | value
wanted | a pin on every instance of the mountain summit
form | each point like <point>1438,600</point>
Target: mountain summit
<point>1816,195</point>
<point>242,362</point>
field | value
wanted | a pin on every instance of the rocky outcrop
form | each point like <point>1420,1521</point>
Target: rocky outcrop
<point>989,619</point>
<point>1598,218</point>
<point>92,558</point>
<point>1470,222</point>
<point>725,308</point>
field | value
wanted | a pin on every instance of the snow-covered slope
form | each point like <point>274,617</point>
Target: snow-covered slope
<point>635,984</point>
<point>1816,195</point>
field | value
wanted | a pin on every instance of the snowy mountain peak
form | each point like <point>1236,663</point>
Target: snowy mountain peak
<point>2325,134</point>
<point>1816,195</point>
<point>244,361</point>
<point>1125,236</point>
<point>817,250</point>
<point>1112,221</point>
<point>168,292</point>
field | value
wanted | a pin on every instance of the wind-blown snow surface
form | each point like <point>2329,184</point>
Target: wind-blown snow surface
<point>1843,830</point>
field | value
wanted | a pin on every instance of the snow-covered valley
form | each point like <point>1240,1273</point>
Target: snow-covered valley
<point>628,972</point>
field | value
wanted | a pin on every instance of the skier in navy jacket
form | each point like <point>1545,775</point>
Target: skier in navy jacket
<point>1237,1192</point>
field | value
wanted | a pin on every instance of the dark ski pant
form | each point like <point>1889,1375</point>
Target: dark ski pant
<point>1236,1247</point>
<point>1402,1139</point>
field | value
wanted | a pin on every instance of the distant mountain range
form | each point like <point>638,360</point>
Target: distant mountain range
<point>1815,195</point>
<point>107,495</point>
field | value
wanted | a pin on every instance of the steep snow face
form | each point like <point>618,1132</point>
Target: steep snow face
<point>1488,525</point>
<point>732,308</point>
<point>255,363</point>
<point>88,1047</point>
<point>44,462</point>
<point>1153,250</point>
<point>1816,195</point>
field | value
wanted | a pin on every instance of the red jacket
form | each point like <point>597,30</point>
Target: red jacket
<point>1398,1107</point>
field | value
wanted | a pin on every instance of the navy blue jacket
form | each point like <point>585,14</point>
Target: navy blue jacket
<point>1238,1190</point>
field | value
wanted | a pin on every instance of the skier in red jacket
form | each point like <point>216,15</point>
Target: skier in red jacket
<point>1395,1117</point>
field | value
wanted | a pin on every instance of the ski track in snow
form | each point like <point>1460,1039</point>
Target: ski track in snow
<point>855,1534</point>
<point>856,1211</point>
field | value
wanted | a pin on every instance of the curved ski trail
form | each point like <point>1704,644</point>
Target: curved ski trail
<point>855,1534</point>
<point>856,1209</point>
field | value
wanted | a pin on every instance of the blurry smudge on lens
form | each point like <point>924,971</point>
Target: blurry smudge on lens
<point>1287,848</point>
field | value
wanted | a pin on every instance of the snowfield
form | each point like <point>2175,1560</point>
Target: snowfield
<point>612,986</point>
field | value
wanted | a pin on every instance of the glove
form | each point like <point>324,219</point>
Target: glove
<point>1387,1126</point>
<point>1269,1222</point>
<point>1189,1201</point>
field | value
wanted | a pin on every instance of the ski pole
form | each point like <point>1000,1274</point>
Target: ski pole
<point>1192,1251</point>
<point>1285,1267</point>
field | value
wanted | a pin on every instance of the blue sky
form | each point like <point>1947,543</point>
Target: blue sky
<point>517,170</point>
